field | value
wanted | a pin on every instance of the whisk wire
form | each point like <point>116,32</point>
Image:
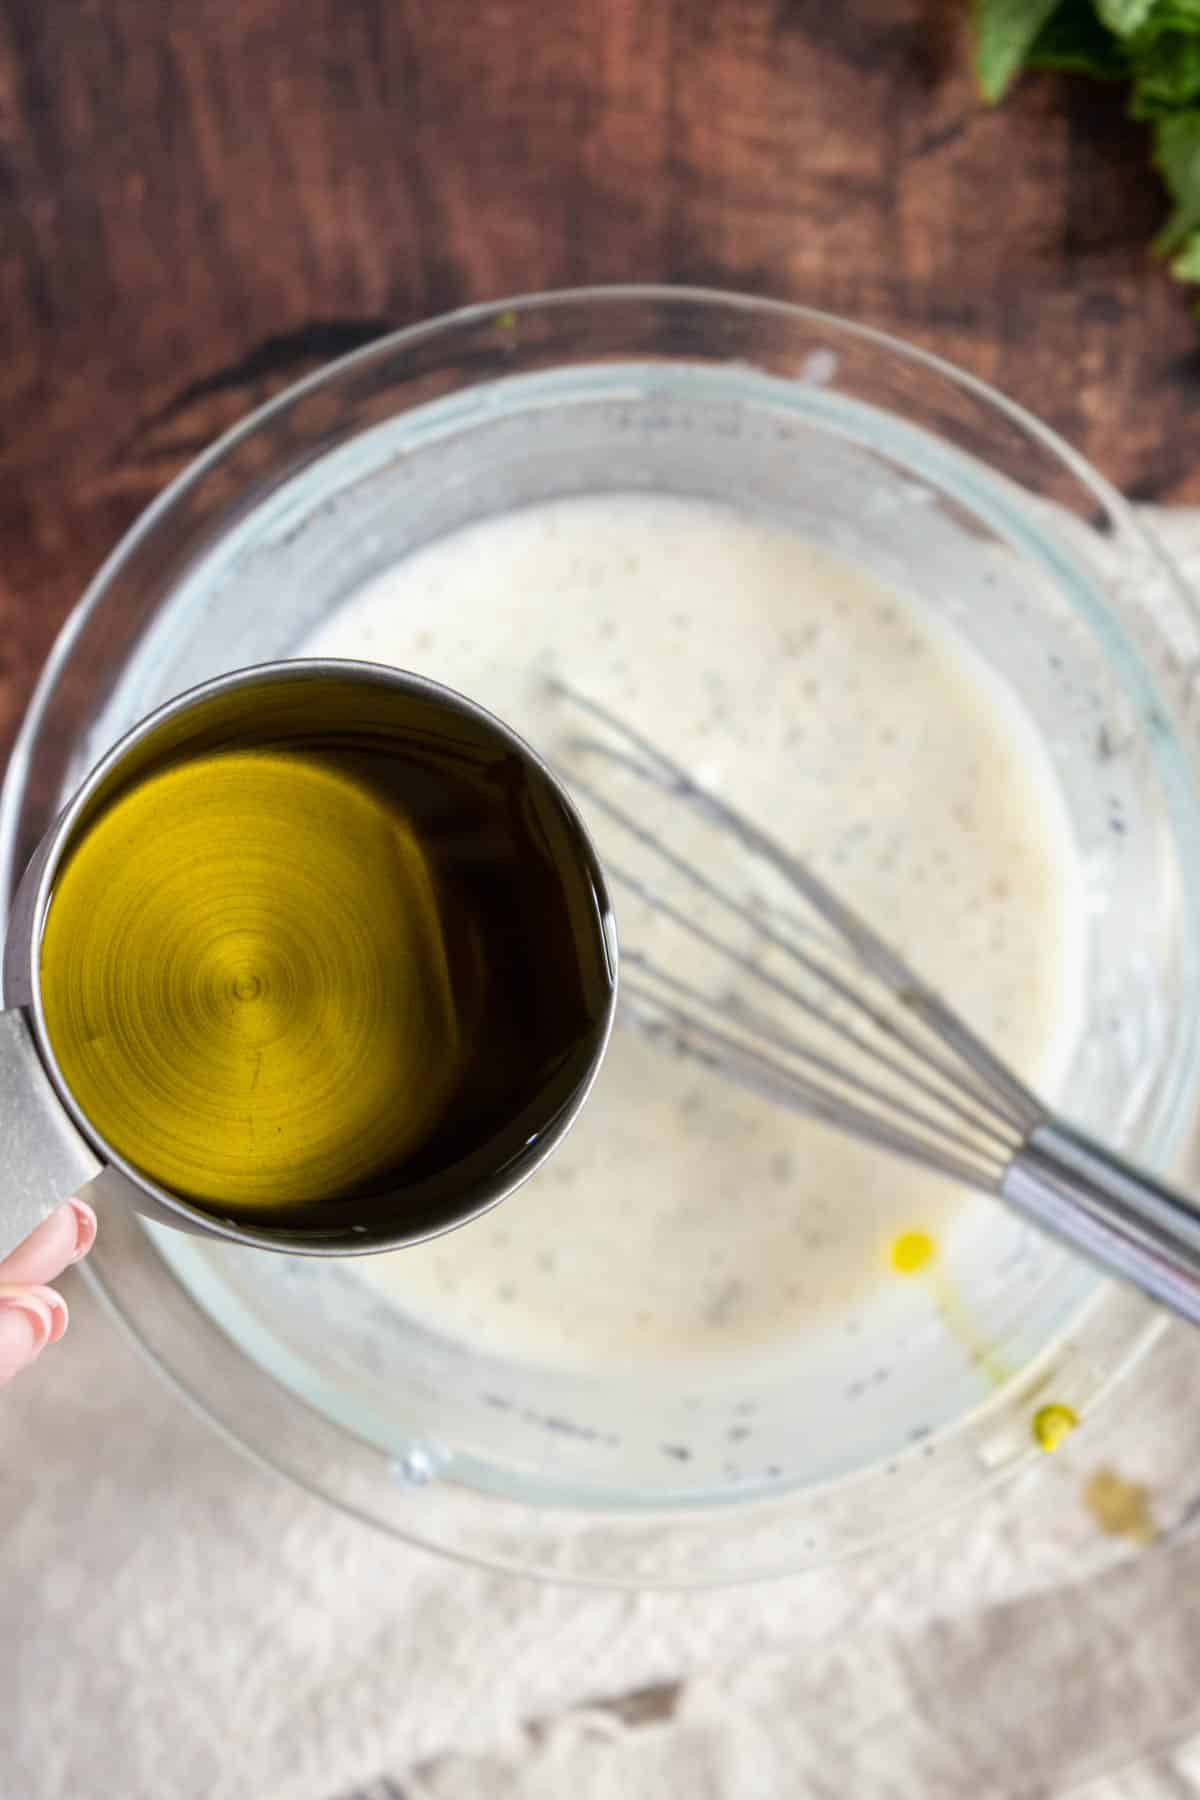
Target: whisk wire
<point>914,1074</point>
<point>978,1124</point>
<point>953,1106</point>
<point>708,1048</point>
<point>876,956</point>
<point>989,1156</point>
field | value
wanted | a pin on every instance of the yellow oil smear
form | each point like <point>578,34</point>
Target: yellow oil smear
<point>245,981</point>
<point>1120,1508</point>
<point>916,1253</point>
<point>1053,1423</point>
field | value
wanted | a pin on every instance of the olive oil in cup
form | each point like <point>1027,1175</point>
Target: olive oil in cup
<point>319,958</point>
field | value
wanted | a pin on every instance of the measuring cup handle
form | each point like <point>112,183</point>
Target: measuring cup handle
<point>45,1160</point>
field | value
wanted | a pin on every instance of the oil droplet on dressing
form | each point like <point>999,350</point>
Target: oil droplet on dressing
<point>1053,1423</point>
<point>912,1251</point>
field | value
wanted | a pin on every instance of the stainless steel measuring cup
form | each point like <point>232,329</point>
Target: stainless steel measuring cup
<point>51,1148</point>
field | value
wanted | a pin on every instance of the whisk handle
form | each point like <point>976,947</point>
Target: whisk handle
<point>1124,1220</point>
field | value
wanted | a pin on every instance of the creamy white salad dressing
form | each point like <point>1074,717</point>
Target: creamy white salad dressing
<point>684,1217</point>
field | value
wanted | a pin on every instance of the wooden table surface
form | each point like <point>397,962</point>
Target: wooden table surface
<point>202,199</point>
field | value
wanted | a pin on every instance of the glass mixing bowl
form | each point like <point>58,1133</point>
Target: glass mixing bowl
<point>672,1472</point>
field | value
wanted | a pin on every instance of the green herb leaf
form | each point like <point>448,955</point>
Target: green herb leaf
<point>1186,266</point>
<point>1074,40</point>
<point>1153,45</point>
<point>1167,15</point>
<point>1005,31</point>
<point>1124,16</point>
<point>1177,153</point>
<point>1167,77</point>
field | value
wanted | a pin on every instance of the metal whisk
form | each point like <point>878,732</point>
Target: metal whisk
<point>815,1011</point>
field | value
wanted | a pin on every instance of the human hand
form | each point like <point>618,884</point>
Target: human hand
<point>32,1315</point>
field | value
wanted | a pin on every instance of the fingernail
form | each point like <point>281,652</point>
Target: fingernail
<point>85,1228</point>
<point>60,1316</point>
<point>25,1328</point>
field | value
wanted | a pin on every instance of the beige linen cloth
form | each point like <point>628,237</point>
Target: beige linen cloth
<point>178,1624</point>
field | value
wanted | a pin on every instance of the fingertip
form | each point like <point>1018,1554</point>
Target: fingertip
<point>86,1226</point>
<point>43,1304</point>
<point>26,1327</point>
<point>50,1249</point>
<point>60,1312</point>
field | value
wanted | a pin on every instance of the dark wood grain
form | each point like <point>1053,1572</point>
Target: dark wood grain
<point>199,199</point>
